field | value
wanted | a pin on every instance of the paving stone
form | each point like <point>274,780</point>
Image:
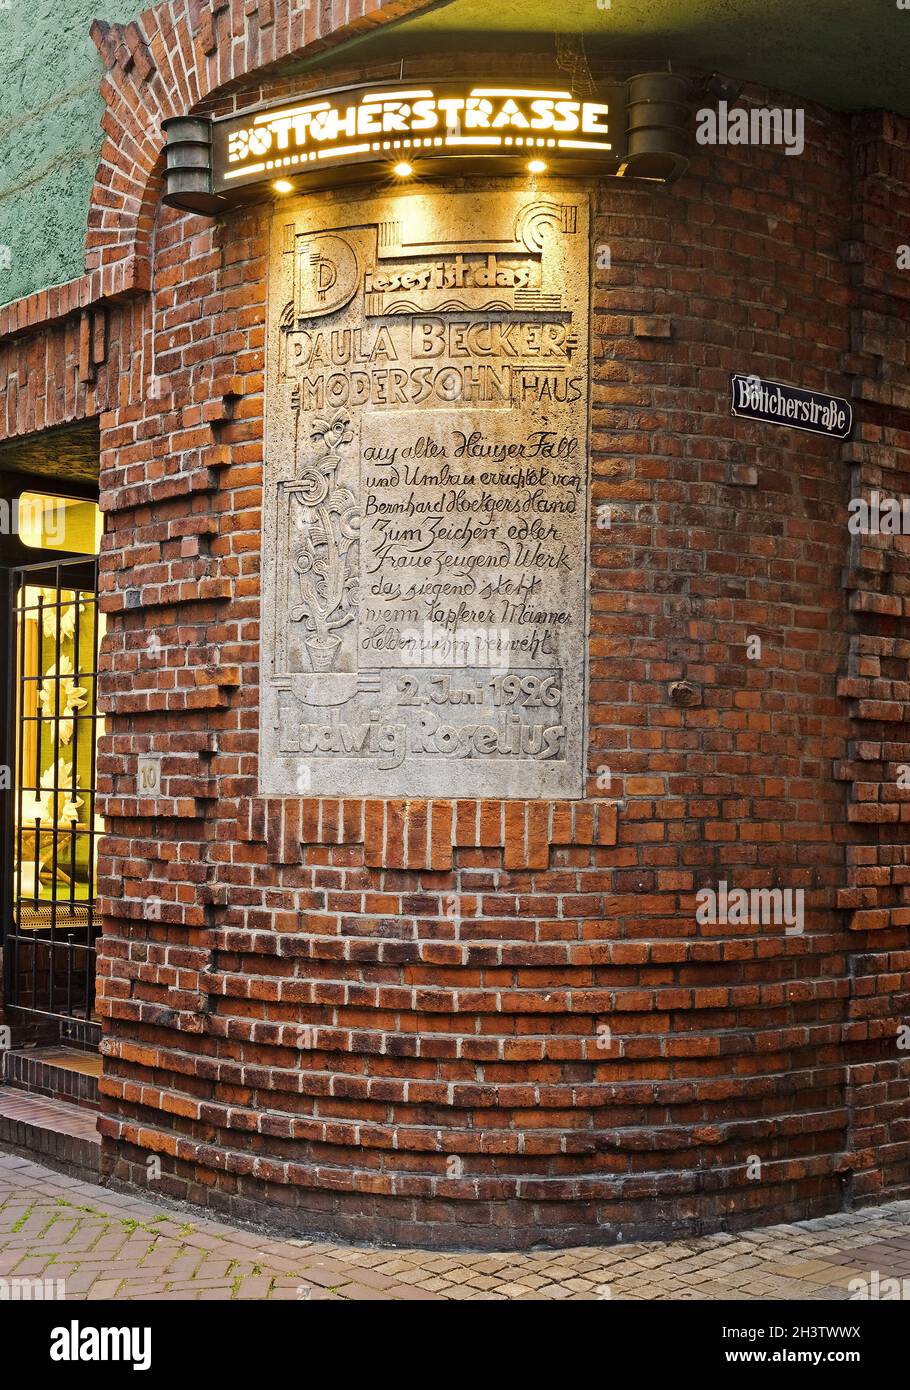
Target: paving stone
<point>87,1236</point>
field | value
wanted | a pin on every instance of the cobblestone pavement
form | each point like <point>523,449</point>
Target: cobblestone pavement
<point>105,1244</point>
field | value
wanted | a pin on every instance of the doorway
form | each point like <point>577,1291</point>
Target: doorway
<point>51,634</point>
<point>50,939</point>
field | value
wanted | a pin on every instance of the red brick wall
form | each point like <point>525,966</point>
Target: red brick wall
<point>387,1019</point>
<point>875,683</point>
<point>397,1034</point>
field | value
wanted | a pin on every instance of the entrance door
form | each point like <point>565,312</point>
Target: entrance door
<point>50,912</point>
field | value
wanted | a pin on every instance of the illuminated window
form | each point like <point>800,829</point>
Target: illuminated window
<point>50,939</point>
<point>47,522</point>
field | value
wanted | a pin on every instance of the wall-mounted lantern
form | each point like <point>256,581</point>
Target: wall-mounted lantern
<point>188,165</point>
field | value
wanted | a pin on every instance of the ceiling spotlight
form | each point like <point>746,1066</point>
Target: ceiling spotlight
<point>721,88</point>
<point>403,170</point>
<point>282,186</point>
<point>537,166</point>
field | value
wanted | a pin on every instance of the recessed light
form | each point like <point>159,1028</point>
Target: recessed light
<point>282,186</point>
<point>403,170</point>
<point>537,166</point>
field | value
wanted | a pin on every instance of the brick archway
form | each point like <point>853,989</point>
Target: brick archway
<point>169,62</point>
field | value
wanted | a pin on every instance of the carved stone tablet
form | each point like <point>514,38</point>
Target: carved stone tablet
<point>426,496</point>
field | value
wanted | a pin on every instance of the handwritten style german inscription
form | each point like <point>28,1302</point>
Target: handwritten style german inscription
<point>426,496</point>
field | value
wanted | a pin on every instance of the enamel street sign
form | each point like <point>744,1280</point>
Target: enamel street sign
<point>777,404</point>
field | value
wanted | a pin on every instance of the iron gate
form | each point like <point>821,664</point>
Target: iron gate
<point>51,928</point>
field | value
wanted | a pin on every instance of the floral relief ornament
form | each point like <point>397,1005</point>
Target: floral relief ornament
<point>327,526</point>
<point>67,810</point>
<point>59,609</point>
<point>72,697</point>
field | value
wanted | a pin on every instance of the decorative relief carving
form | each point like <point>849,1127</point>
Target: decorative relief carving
<point>425,544</point>
<point>326,276</point>
<point>326,521</point>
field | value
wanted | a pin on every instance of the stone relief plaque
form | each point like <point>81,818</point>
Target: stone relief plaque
<point>425,554</point>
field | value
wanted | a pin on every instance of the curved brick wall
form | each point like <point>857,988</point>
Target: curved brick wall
<point>387,1019</point>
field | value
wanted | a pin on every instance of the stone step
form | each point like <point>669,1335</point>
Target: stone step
<point>50,1131</point>
<point>63,1073</point>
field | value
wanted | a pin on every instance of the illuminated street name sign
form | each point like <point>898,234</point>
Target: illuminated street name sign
<point>422,125</point>
<point>396,130</point>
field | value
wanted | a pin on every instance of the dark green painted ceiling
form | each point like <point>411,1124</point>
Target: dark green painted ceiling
<point>69,452</point>
<point>845,54</point>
